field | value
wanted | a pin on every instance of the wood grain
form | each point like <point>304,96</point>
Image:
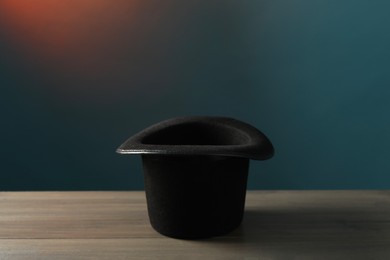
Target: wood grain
<point>114,225</point>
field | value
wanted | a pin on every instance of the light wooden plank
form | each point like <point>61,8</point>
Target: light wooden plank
<point>114,225</point>
<point>157,248</point>
<point>74,215</point>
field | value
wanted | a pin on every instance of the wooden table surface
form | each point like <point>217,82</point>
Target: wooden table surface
<point>114,225</point>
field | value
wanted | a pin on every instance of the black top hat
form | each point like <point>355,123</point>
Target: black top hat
<point>195,171</point>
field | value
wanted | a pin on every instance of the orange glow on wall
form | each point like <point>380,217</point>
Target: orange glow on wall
<point>70,38</point>
<point>57,26</point>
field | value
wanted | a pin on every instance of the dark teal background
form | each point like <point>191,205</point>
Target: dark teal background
<point>313,75</point>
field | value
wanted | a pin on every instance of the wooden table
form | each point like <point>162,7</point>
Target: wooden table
<point>114,225</point>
